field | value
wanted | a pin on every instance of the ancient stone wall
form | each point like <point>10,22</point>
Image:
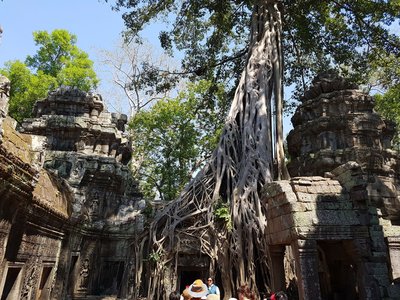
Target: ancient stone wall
<point>70,209</point>
<point>343,228</point>
<point>31,232</point>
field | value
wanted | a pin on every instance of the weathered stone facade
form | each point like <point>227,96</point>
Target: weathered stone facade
<point>69,207</point>
<point>342,228</point>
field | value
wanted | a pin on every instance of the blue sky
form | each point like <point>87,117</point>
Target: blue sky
<point>95,24</point>
<point>93,21</point>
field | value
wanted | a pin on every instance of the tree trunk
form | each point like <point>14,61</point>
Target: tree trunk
<point>239,167</point>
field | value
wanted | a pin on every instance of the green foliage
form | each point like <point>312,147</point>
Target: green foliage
<point>387,75</point>
<point>388,105</point>
<point>55,50</point>
<point>58,62</point>
<point>341,34</point>
<point>154,257</point>
<point>148,211</point>
<point>26,88</point>
<point>222,213</point>
<point>171,140</point>
<point>59,57</point>
<point>214,35</point>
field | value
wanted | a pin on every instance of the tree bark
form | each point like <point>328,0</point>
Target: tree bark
<point>238,168</point>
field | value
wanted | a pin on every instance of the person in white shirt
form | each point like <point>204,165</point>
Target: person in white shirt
<point>212,288</point>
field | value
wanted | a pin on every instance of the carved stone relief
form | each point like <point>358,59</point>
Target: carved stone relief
<point>84,275</point>
<point>31,279</point>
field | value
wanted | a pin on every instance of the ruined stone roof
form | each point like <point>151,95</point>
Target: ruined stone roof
<point>310,207</point>
<point>53,194</point>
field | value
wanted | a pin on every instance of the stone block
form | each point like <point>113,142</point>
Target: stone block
<point>276,211</point>
<point>304,181</point>
<point>338,205</point>
<point>303,218</point>
<point>306,197</point>
<point>335,217</point>
<point>272,189</point>
<point>310,206</point>
<point>299,206</point>
<point>301,188</point>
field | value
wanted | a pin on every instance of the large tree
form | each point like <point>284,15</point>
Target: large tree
<point>387,79</point>
<point>263,37</point>
<point>57,62</point>
<point>170,143</point>
<point>140,73</point>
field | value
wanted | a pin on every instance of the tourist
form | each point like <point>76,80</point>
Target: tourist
<point>212,288</point>
<point>198,290</point>
<point>244,293</point>
<point>279,296</point>
<point>185,294</point>
<point>174,296</point>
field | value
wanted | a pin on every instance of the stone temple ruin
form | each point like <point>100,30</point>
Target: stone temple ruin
<point>71,214</point>
<point>340,211</point>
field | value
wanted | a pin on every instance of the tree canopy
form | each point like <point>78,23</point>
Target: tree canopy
<point>170,142</point>
<point>388,103</point>
<point>57,62</point>
<point>135,68</point>
<point>215,35</point>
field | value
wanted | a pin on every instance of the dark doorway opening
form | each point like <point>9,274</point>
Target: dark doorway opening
<point>11,285</point>
<point>337,271</point>
<point>71,277</point>
<point>110,278</point>
<point>187,275</point>
<point>44,286</point>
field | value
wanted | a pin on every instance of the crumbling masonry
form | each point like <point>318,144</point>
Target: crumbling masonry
<point>340,213</point>
<point>69,207</point>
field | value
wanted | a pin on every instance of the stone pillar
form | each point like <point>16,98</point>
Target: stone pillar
<point>277,253</point>
<point>4,232</point>
<point>368,287</point>
<point>394,253</point>
<point>306,256</point>
<point>4,97</point>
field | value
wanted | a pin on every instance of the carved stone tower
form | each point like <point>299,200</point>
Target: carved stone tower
<point>336,123</point>
<point>70,210</point>
<point>340,211</point>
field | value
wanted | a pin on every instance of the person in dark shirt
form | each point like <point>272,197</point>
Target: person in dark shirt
<point>174,296</point>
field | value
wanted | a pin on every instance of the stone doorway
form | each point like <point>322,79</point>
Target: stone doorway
<point>186,276</point>
<point>43,291</point>
<point>337,271</point>
<point>72,275</point>
<point>111,278</point>
<point>12,282</point>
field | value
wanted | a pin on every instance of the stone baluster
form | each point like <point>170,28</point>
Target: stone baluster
<point>394,253</point>
<point>277,253</point>
<point>306,256</point>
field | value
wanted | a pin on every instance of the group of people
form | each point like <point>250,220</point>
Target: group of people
<point>198,290</point>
